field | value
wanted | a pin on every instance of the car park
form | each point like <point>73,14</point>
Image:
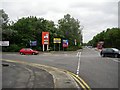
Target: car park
<point>30,51</point>
<point>110,52</point>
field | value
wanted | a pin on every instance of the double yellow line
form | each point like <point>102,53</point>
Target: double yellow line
<point>79,80</point>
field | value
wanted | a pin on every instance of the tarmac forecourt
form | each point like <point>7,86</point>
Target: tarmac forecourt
<point>62,78</point>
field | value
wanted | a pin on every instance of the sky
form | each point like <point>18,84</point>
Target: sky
<point>94,15</point>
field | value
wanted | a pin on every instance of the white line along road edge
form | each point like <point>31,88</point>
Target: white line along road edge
<point>78,66</point>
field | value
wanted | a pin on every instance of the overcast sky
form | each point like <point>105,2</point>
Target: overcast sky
<point>94,15</point>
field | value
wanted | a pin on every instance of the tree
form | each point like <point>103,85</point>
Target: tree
<point>4,19</point>
<point>31,28</point>
<point>111,38</point>
<point>7,32</point>
<point>21,32</point>
<point>69,28</point>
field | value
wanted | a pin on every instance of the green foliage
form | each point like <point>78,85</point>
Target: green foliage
<point>111,38</point>
<point>69,28</point>
<point>74,48</point>
<point>4,19</point>
<point>28,29</point>
<point>12,48</point>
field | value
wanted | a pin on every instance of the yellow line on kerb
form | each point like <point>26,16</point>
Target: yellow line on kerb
<point>14,61</point>
<point>79,80</point>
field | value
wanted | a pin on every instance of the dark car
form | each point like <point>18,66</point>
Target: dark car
<point>24,51</point>
<point>111,52</point>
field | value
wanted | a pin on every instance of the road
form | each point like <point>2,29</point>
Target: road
<point>25,76</point>
<point>98,72</point>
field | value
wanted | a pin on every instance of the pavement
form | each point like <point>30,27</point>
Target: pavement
<point>29,75</point>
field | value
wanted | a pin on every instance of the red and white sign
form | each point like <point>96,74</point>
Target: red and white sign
<point>45,38</point>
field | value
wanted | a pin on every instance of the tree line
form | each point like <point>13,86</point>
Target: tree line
<point>110,37</point>
<point>24,30</point>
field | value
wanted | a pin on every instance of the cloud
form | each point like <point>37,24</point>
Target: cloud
<point>94,15</point>
<point>119,14</point>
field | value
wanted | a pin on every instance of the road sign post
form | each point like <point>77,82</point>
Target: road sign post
<point>43,48</point>
<point>54,46</point>
<point>45,40</point>
<point>55,41</point>
<point>59,46</point>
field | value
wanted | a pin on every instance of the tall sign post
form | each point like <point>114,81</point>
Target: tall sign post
<point>57,40</point>
<point>45,40</point>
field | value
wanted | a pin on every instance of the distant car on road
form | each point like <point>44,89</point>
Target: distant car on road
<point>89,47</point>
<point>111,52</point>
<point>24,51</point>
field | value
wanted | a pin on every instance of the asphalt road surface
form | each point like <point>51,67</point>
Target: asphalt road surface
<point>25,76</point>
<point>98,72</point>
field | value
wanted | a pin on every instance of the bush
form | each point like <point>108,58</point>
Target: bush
<point>79,47</point>
<point>74,48</point>
<point>11,48</point>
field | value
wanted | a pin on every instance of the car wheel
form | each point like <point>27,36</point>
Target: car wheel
<point>21,53</point>
<point>103,55</point>
<point>33,53</point>
<point>115,55</point>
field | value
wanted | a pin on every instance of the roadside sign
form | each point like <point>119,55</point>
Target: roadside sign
<point>65,43</point>
<point>57,40</point>
<point>45,38</point>
<point>100,45</point>
<point>33,43</point>
<point>4,43</point>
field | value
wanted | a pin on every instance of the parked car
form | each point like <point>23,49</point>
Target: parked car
<point>112,52</point>
<point>24,51</point>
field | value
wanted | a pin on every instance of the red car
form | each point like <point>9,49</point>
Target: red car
<point>24,51</point>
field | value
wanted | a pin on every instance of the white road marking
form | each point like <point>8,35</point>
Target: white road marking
<point>77,54</point>
<point>78,67</point>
